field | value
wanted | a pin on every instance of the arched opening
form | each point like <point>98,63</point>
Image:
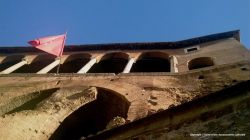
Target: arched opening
<point>200,62</point>
<point>92,117</point>
<point>37,64</point>
<point>152,62</point>
<point>111,63</point>
<point>10,61</point>
<point>73,63</point>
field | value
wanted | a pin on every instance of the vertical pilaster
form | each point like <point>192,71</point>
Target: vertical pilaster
<point>174,62</point>
<point>14,67</point>
<point>49,67</point>
<point>129,65</point>
<point>88,66</point>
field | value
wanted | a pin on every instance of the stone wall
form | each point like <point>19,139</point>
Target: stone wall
<point>34,106</point>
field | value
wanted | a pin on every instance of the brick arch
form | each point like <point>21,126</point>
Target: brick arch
<point>93,116</point>
<point>73,63</point>
<point>10,60</point>
<point>152,62</point>
<point>113,62</point>
<point>37,64</point>
<point>200,62</point>
<point>111,55</point>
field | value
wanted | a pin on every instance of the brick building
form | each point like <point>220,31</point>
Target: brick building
<point>159,90</point>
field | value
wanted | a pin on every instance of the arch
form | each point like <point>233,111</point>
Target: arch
<point>152,62</point>
<point>73,63</point>
<point>92,117</point>
<point>111,63</point>
<point>10,61</point>
<point>37,64</point>
<point>200,62</point>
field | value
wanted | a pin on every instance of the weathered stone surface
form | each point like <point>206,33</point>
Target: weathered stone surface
<point>165,90</point>
<point>138,105</point>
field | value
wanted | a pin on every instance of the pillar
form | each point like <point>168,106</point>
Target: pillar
<point>49,67</point>
<point>87,67</point>
<point>129,65</point>
<point>174,62</point>
<point>14,67</point>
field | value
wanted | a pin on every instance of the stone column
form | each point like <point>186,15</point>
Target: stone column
<point>49,67</point>
<point>87,67</point>
<point>129,65</point>
<point>174,62</point>
<point>14,67</point>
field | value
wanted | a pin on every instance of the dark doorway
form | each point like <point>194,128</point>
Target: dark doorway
<point>92,117</point>
<point>111,63</point>
<point>152,62</point>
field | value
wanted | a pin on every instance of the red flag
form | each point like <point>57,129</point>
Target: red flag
<point>51,44</point>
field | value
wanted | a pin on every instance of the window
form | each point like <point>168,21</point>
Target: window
<point>37,64</point>
<point>111,63</point>
<point>191,49</point>
<point>200,62</point>
<point>152,62</point>
<point>10,61</point>
<point>73,63</point>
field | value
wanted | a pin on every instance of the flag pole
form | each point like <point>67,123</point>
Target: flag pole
<point>58,68</point>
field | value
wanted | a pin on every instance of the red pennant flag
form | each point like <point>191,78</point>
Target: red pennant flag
<point>51,44</point>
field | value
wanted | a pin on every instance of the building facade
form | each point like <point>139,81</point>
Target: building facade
<point>157,90</point>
